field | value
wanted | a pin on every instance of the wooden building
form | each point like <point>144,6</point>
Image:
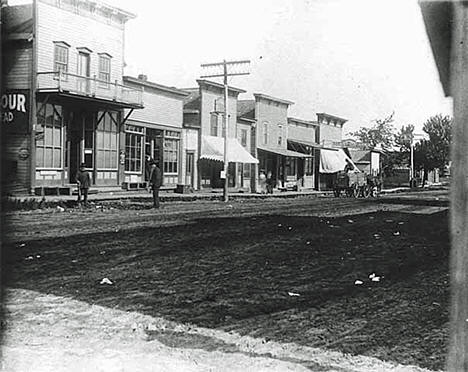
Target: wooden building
<point>447,27</point>
<point>63,96</point>
<point>154,133</point>
<point>204,130</point>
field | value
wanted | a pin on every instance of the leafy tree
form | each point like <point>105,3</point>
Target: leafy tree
<point>439,129</point>
<point>380,133</point>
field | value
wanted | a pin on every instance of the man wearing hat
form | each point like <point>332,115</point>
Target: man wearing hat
<point>83,180</point>
<point>155,182</point>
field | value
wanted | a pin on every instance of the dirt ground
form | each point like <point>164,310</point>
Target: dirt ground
<point>286,272</point>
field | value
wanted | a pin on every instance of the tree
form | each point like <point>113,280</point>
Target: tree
<point>381,133</point>
<point>433,153</point>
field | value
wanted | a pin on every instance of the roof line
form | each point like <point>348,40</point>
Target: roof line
<point>150,84</point>
<point>218,85</point>
<point>274,99</point>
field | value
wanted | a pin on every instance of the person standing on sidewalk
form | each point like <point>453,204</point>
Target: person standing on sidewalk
<point>269,182</point>
<point>83,179</point>
<point>155,182</point>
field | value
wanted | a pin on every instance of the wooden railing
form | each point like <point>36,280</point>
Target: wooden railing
<point>88,86</point>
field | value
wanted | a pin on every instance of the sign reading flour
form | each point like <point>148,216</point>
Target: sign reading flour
<point>15,111</point>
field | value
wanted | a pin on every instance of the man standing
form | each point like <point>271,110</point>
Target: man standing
<point>83,180</point>
<point>155,183</point>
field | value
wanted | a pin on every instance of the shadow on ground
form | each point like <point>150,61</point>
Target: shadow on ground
<point>288,279</point>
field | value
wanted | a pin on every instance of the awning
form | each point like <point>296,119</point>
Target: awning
<point>212,148</point>
<point>285,152</point>
<point>332,161</point>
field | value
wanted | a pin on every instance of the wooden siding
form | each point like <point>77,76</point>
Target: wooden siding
<point>17,64</point>
<point>208,98</point>
<point>16,170</point>
<point>275,114</point>
<point>330,133</point>
<point>55,24</point>
<point>160,108</point>
<point>301,132</point>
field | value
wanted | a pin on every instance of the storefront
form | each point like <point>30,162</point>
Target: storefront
<point>286,166</point>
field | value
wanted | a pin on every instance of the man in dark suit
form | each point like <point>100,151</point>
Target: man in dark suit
<point>155,182</point>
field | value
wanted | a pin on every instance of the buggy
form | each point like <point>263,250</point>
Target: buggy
<point>354,184</point>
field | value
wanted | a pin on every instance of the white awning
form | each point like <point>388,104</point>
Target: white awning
<point>284,152</point>
<point>332,161</point>
<point>212,148</point>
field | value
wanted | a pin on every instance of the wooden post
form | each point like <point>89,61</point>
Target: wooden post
<point>458,349</point>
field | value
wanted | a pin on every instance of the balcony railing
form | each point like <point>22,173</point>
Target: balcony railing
<point>89,86</point>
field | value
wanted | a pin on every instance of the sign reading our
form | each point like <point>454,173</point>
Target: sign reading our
<point>15,107</point>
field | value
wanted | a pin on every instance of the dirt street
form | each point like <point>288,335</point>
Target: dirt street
<point>309,283</point>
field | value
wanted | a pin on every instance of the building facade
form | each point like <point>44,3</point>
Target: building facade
<point>154,133</point>
<point>205,131</point>
<point>65,92</point>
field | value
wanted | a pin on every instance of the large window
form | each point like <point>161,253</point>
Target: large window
<point>309,166</point>
<point>290,166</point>
<point>106,141</point>
<point>49,143</point>
<point>214,124</point>
<point>133,148</point>
<point>171,151</point>
<point>265,133</point>
<point>61,58</point>
<point>104,70</point>
<point>246,170</point>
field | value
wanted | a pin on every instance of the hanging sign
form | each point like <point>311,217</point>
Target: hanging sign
<point>15,111</point>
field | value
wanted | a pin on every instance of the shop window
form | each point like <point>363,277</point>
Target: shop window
<point>133,148</point>
<point>104,70</point>
<point>309,166</point>
<point>214,124</point>
<point>106,141</point>
<point>61,59</point>
<point>49,134</point>
<point>171,153</point>
<point>246,170</point>
<point>290,166</point>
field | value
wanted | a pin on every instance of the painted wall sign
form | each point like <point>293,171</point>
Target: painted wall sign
<point>15,111</point>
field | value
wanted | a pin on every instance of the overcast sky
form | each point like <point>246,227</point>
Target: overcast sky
<point>358,59</point>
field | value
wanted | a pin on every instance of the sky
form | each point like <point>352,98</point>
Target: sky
<point>360,60</point>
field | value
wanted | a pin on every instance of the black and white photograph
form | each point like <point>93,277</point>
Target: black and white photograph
<point>234,185</point>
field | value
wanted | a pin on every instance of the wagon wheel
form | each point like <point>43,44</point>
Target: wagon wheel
<point>367,191</point>
<point>355,191</point>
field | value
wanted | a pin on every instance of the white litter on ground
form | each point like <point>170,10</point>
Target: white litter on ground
<point>292,294</point>
<point>358,282</point>
<point>106,281</point>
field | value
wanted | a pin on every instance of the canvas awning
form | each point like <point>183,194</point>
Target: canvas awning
<point>332,161</point>
<point>285,152</point>
<point>212,148</point>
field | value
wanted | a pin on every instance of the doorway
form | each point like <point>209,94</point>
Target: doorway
<point>82,140</point>
<point>153,149</point>
<point>189,168</point>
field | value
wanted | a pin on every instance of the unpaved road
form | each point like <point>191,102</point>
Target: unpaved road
<point>269,273</point>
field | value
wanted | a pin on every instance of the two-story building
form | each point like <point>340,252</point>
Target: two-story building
<point>269,141</point>
<point>205,131</point>
<point>63,93</point>
<point>154,133</point>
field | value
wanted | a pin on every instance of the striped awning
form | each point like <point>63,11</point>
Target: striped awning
<point>213,149</point>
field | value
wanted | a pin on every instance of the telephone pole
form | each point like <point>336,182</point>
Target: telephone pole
<point>236,70</point>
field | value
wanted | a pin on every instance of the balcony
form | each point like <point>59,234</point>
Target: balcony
<point>90,88</point>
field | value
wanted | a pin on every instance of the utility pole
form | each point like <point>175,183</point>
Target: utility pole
<point>236,67</point>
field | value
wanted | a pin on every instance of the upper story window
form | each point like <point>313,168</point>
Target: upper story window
<point>280,135</point>
<point>214,124</point>
<point>61,58</point>
<point>265,133</point>
<point>243,137</point>
<point>104,69</point>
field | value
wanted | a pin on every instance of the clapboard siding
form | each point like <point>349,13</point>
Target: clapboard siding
<point>273,114</point>
<point>16,171</point>
<point>160,108</point>
<point>17,65</point>
<point>208,98</point>
<point>55,24</point>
